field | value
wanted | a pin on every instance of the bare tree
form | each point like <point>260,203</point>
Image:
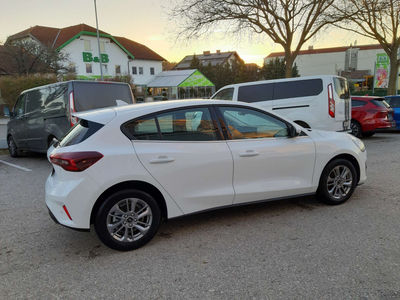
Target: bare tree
<point>290,23</point>
<point>378,20</point>
<point>26,57</point>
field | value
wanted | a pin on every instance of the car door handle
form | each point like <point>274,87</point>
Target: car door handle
<point>249,153</point>
<point>161,159</point>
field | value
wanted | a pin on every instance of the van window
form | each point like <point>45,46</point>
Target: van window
<point>341,87</point>
<point>19,108</point>
<point>226,94</point>
<point>297,88</point>
<point>58,96</point>
<point>256,92</point>
<point>35,99</point>
<point>99,95</point>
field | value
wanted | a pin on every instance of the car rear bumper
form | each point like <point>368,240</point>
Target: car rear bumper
<point>77,195</point>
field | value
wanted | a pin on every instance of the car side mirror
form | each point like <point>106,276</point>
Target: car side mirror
<point>294,131</point>
<point>7,113</point>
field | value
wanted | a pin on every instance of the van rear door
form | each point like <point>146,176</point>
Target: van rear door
<point>342,102</point>
<point>93,95</point>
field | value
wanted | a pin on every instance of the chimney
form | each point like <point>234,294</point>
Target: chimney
<point>206,52</point>
<point>218,51</point>
<point>310,47</point>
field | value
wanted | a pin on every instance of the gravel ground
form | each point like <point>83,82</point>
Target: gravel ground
<point>291,249</point>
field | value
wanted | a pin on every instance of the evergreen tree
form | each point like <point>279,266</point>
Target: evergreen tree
<point>275,69</point>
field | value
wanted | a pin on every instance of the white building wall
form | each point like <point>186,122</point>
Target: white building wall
<point>116,56</point>
<point>332,63</point>
<point>146,77</point>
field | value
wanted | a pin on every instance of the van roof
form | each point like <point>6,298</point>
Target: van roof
<point>72,81</point>
<point>280,80</point>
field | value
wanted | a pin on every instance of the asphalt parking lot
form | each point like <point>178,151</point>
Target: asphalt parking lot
<point>291,249</point>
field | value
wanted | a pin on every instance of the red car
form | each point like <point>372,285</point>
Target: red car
<point>370,115</point>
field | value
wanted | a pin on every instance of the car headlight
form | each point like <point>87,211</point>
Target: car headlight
<point>359,143</point>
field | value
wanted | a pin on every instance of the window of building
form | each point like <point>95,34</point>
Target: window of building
<point>134,70</point>
<point>89,68</point>
<point>141,70</point>
<point>102,47</point>
<point>88,46</point>
<point>151,71</point>
<point>118,70</point>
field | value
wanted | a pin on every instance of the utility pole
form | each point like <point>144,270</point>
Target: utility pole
<point>98,40</point>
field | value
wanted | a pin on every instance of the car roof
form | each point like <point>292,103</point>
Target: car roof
<point>132,111</point>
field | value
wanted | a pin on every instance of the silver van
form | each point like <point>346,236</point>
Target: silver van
<point>46,112</point>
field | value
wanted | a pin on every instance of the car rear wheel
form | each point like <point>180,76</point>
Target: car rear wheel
<point>13,148</point>
<point>356,129</point>
<point>337,182</point>
<point>127,220</point>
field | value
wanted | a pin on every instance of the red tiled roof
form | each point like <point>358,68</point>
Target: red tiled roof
<point>139,51</point>
<point>328,50</point>
<point>58,36</point>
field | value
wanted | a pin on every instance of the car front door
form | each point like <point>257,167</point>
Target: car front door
<point>34,120</point>
<point>16,126</point>
<point>184,151</point>
<point>268,163</point>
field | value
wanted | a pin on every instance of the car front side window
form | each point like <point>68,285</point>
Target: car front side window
<point>19,108</point>
<point>246,123</point>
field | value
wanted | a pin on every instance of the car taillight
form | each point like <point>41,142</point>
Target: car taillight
<point>75,161</point>
<point>331,102</point>
<point>73,120</point>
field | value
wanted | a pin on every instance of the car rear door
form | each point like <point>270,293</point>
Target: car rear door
<point>184,151</point>
<point>267,162</point>
<point>34,119</point>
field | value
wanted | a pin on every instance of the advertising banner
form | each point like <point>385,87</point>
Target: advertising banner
<point>382,71</point>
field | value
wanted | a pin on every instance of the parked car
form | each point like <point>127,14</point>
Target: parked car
<point>124,169</point>
<point>318,102</point>
<point>394,102</point>
<point>46,112</point>
<point>370,115</point>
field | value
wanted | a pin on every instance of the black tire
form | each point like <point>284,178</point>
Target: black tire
<point>356,129</point>
<point>123,237</point>
<point>328,185</point>
<point>13,148</point>
<point>368,134</point>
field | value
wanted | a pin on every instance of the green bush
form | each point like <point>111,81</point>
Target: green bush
<point>12,87</point>
<point>377,92</point>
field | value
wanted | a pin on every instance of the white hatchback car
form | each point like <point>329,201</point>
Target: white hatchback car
<point>124,169</point>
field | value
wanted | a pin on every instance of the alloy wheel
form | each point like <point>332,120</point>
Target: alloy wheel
<point>339,182</point>
<point>129,220</point>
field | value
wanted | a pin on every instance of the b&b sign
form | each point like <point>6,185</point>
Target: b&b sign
<point>88,57</point>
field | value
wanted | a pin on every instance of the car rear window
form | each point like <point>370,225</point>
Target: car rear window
<point>380,103</point>
<point>99,95</point>
<point>80,132</point>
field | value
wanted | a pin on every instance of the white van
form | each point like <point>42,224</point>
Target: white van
<point>319,102</point>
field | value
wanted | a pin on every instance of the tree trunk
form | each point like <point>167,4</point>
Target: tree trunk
<point>393,73</point>
<point>289,62</point>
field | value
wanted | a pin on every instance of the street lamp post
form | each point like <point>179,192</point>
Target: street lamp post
<point>98,40</point>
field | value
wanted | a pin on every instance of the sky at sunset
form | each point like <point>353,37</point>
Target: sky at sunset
<point>144,22</point>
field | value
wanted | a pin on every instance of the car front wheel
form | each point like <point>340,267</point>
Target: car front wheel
<point>127,220</point>
<point>13,148</point>
<point>337,183</point>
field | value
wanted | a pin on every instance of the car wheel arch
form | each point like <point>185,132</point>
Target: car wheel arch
<point>134,184</point>
<point>348,157</point>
